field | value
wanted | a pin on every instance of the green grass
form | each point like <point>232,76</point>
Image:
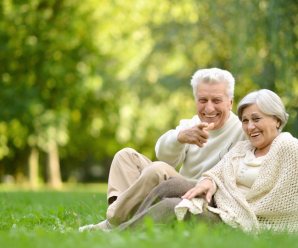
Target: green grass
<point>51,219</point>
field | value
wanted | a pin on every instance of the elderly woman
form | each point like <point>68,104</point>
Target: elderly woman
<point>255,185</point>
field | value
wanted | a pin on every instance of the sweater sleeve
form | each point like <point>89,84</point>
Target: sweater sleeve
<point>168,149</point>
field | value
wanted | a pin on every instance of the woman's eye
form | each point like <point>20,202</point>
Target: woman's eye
<point>244,120</point>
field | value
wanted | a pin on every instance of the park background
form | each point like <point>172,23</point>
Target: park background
<point>80,80</point>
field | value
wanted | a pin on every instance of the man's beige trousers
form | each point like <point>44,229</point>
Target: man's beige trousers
<point>132,177</point>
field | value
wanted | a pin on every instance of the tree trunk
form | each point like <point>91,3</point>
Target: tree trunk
<point>33,168</point>
<point>2,171</point>
<point>53,167</point>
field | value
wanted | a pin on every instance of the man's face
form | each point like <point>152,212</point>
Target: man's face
<point>213,104</point>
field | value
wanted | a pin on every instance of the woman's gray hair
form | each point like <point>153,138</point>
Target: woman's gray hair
<point>213,75</point>
<point>268,102</point>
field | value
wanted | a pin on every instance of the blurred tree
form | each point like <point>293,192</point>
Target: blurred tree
<point>46,51</point>
<point>93,77</point>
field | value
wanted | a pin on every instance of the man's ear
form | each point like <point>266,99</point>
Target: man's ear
<point>231,103</point>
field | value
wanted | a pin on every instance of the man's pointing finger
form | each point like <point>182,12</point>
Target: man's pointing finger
<point>209,127</point>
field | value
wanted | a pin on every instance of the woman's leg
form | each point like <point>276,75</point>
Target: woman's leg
<point>160,204</point>
<point>130,200</point>
<point>161,213</point>
<point>171,188</point>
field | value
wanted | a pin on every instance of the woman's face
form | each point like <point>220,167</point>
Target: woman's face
<point>261,129</point>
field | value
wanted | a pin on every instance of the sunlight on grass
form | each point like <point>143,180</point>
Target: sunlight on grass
<point>51,219</point>
<point>78,187</point>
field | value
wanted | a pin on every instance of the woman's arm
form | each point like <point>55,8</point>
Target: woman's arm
<point>205,186</point>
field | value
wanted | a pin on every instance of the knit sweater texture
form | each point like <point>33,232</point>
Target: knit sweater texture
<point>271,203</point>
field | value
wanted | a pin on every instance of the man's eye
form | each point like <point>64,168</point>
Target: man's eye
<point>257,119</point>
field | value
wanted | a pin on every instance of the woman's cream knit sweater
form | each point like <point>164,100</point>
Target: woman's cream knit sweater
<point>272,201</point>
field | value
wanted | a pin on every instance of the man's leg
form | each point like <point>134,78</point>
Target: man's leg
<point>175,187</point>
<point>125,170</point>
<point>130,200</point>
<point>161,213</point>
<point>160,204</point>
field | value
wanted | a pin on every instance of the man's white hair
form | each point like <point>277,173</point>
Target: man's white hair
<point>213,75</point>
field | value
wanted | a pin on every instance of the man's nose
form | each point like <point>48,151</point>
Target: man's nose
<point>209,107</point>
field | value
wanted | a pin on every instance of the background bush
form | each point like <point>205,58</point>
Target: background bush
<point>79,80</point>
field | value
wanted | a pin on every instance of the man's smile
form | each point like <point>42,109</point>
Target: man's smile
<point>210,116</point>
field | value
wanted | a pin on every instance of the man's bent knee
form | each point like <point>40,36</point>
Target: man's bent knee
<point>125,151</point>
<point>160,169</point>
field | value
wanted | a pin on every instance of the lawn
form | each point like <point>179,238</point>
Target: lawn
<point>51,219</point>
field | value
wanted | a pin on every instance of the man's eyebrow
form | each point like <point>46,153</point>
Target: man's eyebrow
<point>216,97</point>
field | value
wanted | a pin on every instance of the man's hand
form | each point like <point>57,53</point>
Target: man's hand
<point>205,186</point>
<point>197,134</point>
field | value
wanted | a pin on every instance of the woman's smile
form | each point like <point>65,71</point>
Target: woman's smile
<point>261,129</point>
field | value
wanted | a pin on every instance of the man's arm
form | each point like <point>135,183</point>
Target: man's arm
<point>173,145</point>
<point>168,149</point>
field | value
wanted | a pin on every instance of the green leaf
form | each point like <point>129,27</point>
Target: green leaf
<point>61,209</point>
<point>52,212</point>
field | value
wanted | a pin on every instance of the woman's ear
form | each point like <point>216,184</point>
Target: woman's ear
<point>278,123</point>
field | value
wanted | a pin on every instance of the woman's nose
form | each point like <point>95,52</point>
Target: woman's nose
<point>251,125</point>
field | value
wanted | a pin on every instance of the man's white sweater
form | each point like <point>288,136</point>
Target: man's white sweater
<point>197,160</point>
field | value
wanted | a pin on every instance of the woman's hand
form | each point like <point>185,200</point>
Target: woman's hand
<point>205,186</point>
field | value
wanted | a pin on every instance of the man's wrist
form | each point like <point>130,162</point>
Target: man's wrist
<point>179,134</point>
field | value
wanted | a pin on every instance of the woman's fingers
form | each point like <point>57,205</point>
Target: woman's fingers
<point>187,194</point>
<point>198,190</point>
<point>209,195</point>
<point>205,186</point>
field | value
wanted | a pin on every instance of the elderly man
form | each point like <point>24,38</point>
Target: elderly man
<point>199,143</point>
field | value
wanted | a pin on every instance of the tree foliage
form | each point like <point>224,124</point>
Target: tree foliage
<point>97,76</point>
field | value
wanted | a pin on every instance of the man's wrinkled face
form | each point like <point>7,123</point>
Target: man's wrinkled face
<point>213,104</point>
